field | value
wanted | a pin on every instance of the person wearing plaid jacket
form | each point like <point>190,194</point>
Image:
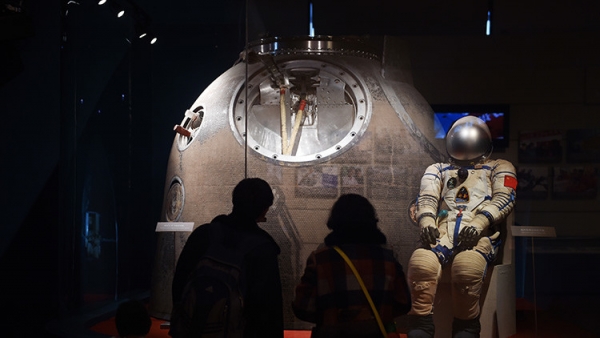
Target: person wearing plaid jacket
<point>329,294</point>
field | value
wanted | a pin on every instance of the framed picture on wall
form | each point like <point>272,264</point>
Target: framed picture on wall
<point>583,146</point>
<point>542,146</point>
<point>534,182</point>
<point>580,182</point>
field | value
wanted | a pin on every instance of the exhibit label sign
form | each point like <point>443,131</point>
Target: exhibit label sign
<point>174,226</point>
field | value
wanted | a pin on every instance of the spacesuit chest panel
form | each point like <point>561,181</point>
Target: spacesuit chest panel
<point>469,194</point>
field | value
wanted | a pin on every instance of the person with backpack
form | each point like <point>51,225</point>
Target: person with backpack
<point>230,267</point>
<point>353,285</point>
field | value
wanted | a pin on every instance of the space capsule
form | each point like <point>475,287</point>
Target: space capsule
<point>316,117</point>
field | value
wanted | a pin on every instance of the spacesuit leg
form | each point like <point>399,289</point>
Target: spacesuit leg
<point>468,272</point>
<point>423,274</point>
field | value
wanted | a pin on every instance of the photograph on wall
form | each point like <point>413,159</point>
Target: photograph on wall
<point>317,181</point>
<point>534,182</point>
<point>542,146</point>
<point>353,180</point>
<point>583,146</point>
<point>579,182</point>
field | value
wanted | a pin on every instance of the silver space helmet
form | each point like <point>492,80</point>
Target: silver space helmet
<point>469,140</point>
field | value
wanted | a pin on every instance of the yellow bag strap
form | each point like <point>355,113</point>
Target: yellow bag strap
<point>364,288</point>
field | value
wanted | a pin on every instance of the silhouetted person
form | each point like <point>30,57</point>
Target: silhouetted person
<point>329,294</point>
<point>132,320</point>
<point>263,310</point>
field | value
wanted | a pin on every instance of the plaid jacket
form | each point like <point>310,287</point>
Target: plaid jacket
<point>330,295</point>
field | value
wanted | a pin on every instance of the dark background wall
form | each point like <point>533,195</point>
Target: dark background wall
<point>88,111</point>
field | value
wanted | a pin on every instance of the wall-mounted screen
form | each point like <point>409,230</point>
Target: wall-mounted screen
<point>495,116</point>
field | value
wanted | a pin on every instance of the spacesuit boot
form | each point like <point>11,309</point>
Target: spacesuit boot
<point>466,328</point>
<point>420,326</point>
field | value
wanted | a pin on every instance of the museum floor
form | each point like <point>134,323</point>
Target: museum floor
<point>549,325</point>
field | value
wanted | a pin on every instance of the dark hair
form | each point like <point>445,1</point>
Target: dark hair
<point>251,196</point>
<point>352,213</point>
<point>132,318</point>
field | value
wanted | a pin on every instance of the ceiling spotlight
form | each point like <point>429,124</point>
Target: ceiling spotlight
<point>153,41</point>
<point>117,8</point>
<point>101,2</point>
<point>140,30</point>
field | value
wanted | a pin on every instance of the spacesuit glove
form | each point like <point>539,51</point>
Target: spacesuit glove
<point>429,235</point>
<point>468,237</point>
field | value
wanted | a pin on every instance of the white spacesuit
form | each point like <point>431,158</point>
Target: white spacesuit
<point>458,206</point>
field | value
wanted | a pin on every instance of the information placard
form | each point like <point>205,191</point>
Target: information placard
<point>533,231</point>
<point>174,226</point>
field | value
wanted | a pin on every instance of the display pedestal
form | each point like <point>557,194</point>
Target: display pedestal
<point>533,231</point>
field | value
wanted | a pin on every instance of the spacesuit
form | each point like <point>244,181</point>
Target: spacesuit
<point>457,209</point>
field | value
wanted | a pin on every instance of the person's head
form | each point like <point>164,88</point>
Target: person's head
<point>352,213</point>
<point>132,319</point>
<point>252,198</point>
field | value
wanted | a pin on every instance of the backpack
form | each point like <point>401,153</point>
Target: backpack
<point>212,302</point>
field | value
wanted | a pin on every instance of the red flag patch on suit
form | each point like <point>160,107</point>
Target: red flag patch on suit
<point>510,182</point>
